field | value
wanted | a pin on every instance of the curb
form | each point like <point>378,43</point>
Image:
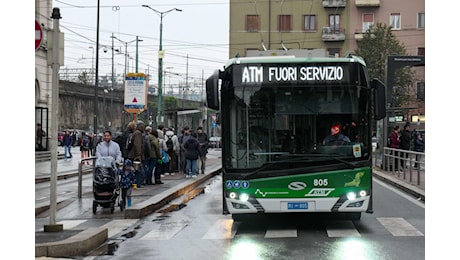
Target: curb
<point>407,187</point>
<point>151,205</point>
<point>79,244</point>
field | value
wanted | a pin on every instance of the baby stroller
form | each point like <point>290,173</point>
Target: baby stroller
<point>106,186</point>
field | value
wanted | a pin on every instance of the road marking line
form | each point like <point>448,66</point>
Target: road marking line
<point>273,232</point>
<point>165,231</point>
<point>399,227</point>
<point>222,229</point>
<point>341,229</point>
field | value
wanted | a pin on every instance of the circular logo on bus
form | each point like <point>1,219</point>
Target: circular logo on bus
<point>297,185</point>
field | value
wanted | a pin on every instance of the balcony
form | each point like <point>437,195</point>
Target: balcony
<point>366,3</point>
<point>330,35</point>
<point>334,3</point>
<point>360,35</point>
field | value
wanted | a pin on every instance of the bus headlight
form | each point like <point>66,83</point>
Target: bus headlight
<point>232,195</point>
<point>362,193</point>
<point>351,195</point>
<point>244,197</point>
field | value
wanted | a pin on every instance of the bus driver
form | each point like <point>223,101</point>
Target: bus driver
<point>336,137</point>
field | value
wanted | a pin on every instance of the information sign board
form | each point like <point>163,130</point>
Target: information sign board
<point>135,92</point>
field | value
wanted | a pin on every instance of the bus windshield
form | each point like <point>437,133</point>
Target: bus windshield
<point>275,123</point>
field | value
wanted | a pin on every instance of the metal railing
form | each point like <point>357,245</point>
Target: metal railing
<point>410,164</point>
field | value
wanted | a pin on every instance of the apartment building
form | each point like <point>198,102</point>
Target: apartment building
<point>329,27</point>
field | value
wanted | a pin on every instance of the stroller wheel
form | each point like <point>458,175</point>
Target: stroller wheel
<point>94,207</point>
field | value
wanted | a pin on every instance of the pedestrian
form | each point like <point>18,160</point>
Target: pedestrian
<point>163,166</point>
<point>406,138</point>
<point>67,142</point>
<point>173,150</point>
<point>74,138</point>
<point>158,168</point>
<point>191,155</point>
<point>126,138</point>
<point>154,156</point>
<point>335,136</point>
<point>39,134</point>
<point>136,153</point>
<point>108,147</point>
<point>84,147</point>
<point>394,143</point>
<point>182,140</point>
<point>93,142</point>
<point>127,178</point>
<point>419,146</point>
<point>203,140</point>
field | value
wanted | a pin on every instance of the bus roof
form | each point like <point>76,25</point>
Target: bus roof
<point>292,59</point>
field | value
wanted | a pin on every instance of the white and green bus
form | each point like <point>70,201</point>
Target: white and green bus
<point>276,113</point>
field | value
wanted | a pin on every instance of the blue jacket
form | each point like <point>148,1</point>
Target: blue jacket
<point>67,140</point>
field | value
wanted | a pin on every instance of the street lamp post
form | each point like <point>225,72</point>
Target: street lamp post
<point>160,59</point>
<point>126,50</point>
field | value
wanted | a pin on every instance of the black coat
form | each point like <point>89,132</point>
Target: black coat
<point>405,140</point>
<point>192,149</point>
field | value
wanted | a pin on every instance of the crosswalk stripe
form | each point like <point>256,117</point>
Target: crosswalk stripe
<point>165,230</point>
<point>222,229</point>
<point>341,229</point>
<point>279,233</point>
<point>399,227</point>
<point>116,226</point>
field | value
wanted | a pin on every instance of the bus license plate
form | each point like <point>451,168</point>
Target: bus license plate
<point>297,205</point>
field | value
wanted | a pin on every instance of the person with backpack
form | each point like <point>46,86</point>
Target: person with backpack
<point>173,149</point>
<point>126,140</point>
<point>84,147</point>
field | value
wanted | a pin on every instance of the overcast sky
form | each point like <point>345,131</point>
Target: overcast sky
<point>200,32</point>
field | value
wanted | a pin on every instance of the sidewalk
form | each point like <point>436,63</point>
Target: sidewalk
<point>146,201</point>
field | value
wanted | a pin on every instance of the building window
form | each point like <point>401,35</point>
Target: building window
<point>395,21</point>
<point>334,52</point>
<point>421,21</point>
<point>309,23</point>
<point>284,23</point>
<point>368,21</point>
<point>252,23</point>
<point>420,91</point>
<point>334,23</point>
<point>421,51</point>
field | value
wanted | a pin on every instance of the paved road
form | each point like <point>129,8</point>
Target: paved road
<point>76,214</point>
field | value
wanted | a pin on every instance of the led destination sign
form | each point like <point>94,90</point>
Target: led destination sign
<point>291,74</point>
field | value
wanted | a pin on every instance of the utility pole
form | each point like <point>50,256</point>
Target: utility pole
<point>53,227</point>
<point>97,69</point>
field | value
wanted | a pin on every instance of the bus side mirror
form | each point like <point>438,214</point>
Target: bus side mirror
<point>380,110</point>
<point>212,90</point>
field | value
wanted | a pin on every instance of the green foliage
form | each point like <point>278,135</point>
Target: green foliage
<point>377,44</point>
<point>170,102</point>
